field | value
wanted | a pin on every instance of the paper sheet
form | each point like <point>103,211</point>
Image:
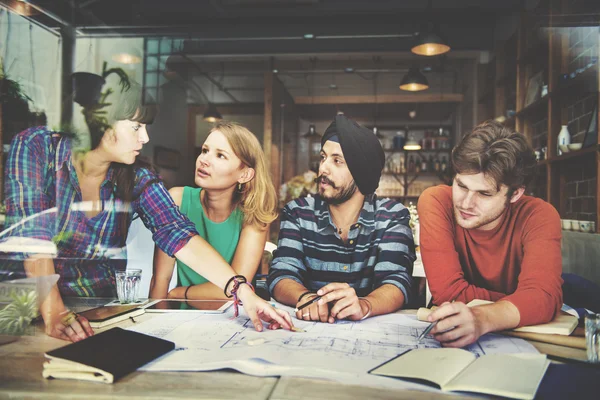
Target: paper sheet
<point>344,351</point>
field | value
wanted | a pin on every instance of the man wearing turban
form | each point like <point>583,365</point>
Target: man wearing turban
<point>349,247</point>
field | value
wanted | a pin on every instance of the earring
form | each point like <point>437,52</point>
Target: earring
<point>239,187</point>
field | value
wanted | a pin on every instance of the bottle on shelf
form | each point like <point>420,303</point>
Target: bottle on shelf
<point>444,165</point>
<point>424,165</point>
<point>564,138</point>
<point>411,164</point>
<point>399,140</point>
<point>431,164</point>
<point>437,165</point>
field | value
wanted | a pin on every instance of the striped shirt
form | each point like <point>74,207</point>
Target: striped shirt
<point>40,176</point>
<point>380,248</point>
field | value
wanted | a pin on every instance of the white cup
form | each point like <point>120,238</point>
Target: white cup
<point>575,225</point>
<point>566,224</point>
<point>592,227</point>
<point>584,226</point>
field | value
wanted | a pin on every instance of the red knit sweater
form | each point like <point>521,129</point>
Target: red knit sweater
<point>518,261</point>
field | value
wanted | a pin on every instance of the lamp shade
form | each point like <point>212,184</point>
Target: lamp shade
<point>211,114</point>
<point>412,145</point>
<point>414,81</point>
<point>430,44</point>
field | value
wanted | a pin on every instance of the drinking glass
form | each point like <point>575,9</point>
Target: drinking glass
<point>128,285</point>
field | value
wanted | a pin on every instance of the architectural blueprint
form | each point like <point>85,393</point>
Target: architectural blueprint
<point>334,351</point>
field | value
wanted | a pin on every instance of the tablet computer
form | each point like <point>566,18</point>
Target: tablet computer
<point>203,306</point>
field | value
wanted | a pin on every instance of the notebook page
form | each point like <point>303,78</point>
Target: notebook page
<point>516,376</point>
<point>435,365</point>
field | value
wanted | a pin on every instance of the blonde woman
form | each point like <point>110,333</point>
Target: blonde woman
<point>232,208</point>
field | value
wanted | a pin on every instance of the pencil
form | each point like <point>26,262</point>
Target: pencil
<point>426,331</point>
<point>307,303</point>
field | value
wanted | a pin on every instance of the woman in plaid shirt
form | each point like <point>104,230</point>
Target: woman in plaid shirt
<point>96,194</point>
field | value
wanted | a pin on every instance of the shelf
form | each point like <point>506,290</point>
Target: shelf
<point>574,154</point>
<point>586,81</point>
<point>536,106</point>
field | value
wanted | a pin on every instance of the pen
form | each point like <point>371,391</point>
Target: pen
<point>426,331</point>
<point>307,303</point>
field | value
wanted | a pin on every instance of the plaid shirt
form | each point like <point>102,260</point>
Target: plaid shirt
<point>380,248</point>
<point>41,176</point>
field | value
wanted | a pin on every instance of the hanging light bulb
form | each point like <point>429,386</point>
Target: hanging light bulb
<point>211,114</point>
<point>127,58</point>
<point>430,44</point>
<point>414,81</point>
<point>20,7</point>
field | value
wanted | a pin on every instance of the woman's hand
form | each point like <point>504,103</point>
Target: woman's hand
<point>258,309</point>
<point>76,330</point>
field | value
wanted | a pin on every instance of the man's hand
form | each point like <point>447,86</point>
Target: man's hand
<point>346,303</point>
<point>457,325</point>
<point>314,312</point>
<point>77,330</point>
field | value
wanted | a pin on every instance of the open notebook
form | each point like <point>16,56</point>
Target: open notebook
<point>105,357</point>
<point>510,375</point>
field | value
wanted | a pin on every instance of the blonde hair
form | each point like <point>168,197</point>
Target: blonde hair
<point>257,198</point>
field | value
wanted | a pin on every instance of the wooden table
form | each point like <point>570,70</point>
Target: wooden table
<point>21,377</point>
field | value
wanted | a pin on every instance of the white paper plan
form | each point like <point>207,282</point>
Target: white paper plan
<point>330,351</point>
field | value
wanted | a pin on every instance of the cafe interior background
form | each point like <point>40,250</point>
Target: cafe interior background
<point>419,73</point>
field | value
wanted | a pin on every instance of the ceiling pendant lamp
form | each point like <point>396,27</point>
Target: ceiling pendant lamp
<point>211,114</point>
<point>414,81</point>
<point>412,145</point>
<point>430,44</point>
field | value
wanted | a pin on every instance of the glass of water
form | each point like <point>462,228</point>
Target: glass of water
<point>592,337</point>
<point>128,285</point>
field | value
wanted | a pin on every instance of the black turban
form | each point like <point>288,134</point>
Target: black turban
<point>362,151</point>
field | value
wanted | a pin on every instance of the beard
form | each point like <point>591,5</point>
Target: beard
<point>344,194</point>
<point>480,221</point>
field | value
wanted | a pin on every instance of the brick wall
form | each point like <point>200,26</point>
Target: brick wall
<point>579,112</point>
<point>583,46</point>
<point>581,190</point>
<point>581,174</point>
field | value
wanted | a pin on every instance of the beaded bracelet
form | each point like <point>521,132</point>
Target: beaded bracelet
<point>304,294</point>
<point>370,308</point>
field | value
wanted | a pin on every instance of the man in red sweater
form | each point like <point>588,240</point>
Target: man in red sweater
<point>483,238</point>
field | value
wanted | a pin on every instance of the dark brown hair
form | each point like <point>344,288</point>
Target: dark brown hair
<point>499,152</point>
<point>127,105</point>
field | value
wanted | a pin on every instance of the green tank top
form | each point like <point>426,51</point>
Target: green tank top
<point>223,236</point>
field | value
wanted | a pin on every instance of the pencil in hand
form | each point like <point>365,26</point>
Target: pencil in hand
<point>308,303</point>
<point>426,331</point>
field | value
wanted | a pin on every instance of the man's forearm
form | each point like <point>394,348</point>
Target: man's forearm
<point>287,291</point>
<point>385,299</point>
<point>496,317</point>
